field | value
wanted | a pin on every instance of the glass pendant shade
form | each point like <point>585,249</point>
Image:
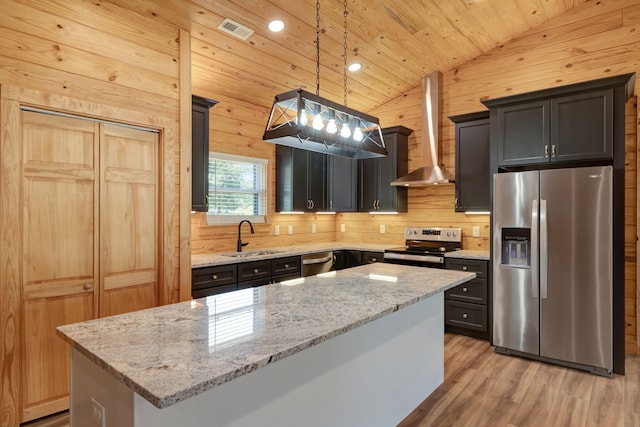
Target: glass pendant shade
<point>345,132</point>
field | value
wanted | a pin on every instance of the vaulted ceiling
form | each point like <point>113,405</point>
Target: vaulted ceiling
<point>396,41</point>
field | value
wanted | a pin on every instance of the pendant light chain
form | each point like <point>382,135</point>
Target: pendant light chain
<point>318,47</point>
<point>345,52</point>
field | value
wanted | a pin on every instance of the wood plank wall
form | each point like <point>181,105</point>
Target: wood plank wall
<point>93,59</point>
<point>596,40</point>
<point>236,128</point>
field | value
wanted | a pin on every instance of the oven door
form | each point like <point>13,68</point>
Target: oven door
<point>431,261</point>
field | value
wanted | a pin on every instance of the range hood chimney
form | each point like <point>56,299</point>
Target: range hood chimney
<point>429,173</point>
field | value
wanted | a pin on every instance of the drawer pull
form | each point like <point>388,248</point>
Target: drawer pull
<point>465,290</point>
<point>256,271</point>
<point>374,259</point>
<point>286,266</point>
<point>215,277</point>
<point>87,286</point>
<point>464,268</point>
<point>465,315</point>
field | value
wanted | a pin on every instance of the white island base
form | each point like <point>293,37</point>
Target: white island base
<point>373,375</point>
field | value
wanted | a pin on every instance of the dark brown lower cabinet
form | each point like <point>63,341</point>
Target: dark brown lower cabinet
<point>467,307</point>
<point>207,281</point>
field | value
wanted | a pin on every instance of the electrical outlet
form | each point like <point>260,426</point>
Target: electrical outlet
<point>98,413</point>
<point>476,231</point>
<point>343,228</point>
<point>383,229</point>
<point>276,230</point>
<point>313,228</point>
<point>290,229</point>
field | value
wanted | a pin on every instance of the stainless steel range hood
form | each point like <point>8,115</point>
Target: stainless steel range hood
<point>429,173</point>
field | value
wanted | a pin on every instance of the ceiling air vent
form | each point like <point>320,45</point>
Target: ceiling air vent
<point>235,29</point>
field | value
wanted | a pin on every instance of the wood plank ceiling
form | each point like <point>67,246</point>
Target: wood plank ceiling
<point>396,41</point>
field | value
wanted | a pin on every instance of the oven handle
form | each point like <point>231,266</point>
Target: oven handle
<point>421,258</point>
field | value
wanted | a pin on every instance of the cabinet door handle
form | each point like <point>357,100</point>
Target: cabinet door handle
<point>374,259</point>
<point>214,277</point>
<point>553,150</point>
<point>546,151</point>
<point>87,286</point>
<point>464,268</point>
<point>465,315</point>
<point>374,204</point>
<point>455,201</point>
<point>330,205</point>
<point>312,204</point>
<point>206,202</point>
<point>465,290</point>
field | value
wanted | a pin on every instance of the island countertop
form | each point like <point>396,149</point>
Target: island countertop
<point>170,353</point>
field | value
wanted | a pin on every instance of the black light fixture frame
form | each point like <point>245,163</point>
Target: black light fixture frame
<point>285,127</point>
<point>291,119</point>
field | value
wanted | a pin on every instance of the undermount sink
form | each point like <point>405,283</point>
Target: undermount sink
<point>251,253</point>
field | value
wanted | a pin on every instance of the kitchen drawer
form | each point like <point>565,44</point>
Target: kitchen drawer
<point>371,257</point>
<point>479,267</point>
<point>282,277</point>
<point>254,271</point>
<point>285,266</point>
<point>468,316</point>
<point>473,291</point>
<point>254,282</point>
<point>208,277</point>
<point>206,292</point>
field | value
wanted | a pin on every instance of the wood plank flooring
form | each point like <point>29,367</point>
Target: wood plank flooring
<point>482,388</point>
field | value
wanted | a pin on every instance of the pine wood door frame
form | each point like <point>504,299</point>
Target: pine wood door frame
<point>170,262</point>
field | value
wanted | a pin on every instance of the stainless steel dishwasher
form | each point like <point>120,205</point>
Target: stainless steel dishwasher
<point>316,263</point>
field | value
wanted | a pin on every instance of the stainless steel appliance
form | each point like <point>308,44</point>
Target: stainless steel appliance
<point>552,266</point>
<point>316,263</point>
<point>425,246</point>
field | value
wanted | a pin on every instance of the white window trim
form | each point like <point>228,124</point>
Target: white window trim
<point>234,219</point>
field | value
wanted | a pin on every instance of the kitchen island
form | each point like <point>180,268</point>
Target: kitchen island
<point>361,346</point>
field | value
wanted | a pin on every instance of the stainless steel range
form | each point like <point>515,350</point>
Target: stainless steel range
<point>425,246</point>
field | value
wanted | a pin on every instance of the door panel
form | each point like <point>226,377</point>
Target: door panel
<point>576,315</point>
<point>59,229</point>
<point>46,357</point>
<point>515,289</point>
<point>128,220</point>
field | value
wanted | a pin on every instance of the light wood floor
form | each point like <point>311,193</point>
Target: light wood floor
<point>482,388</point>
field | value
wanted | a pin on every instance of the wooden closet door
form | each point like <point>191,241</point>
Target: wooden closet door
<point>60,234</point>
<point>128,219</point>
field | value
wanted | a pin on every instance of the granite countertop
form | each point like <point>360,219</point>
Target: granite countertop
<point>170,353</point>
<point>208,260</point>
<point>469,254</point>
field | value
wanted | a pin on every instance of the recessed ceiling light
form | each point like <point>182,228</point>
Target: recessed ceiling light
<point>354,67</point>
<point>276,26</point>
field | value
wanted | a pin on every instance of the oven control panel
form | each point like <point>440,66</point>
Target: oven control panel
<point>433,234</point>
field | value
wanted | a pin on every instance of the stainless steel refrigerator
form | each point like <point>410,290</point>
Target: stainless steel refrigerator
<point>552,266</point>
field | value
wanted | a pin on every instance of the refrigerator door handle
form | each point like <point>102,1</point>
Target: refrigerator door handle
<point>534,247</point>
<point>544,256</point>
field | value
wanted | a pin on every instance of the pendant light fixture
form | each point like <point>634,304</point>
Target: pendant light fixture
<point>305,120</point>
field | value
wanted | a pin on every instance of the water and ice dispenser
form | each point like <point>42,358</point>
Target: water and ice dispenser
<point>516,247</point>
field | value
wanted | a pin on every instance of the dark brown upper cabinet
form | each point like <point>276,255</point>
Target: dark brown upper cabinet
<point>375,193</point>
<point>569,124</point>
<point>200,152</point>
<point>473,169</point>
<point>301,179</point>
